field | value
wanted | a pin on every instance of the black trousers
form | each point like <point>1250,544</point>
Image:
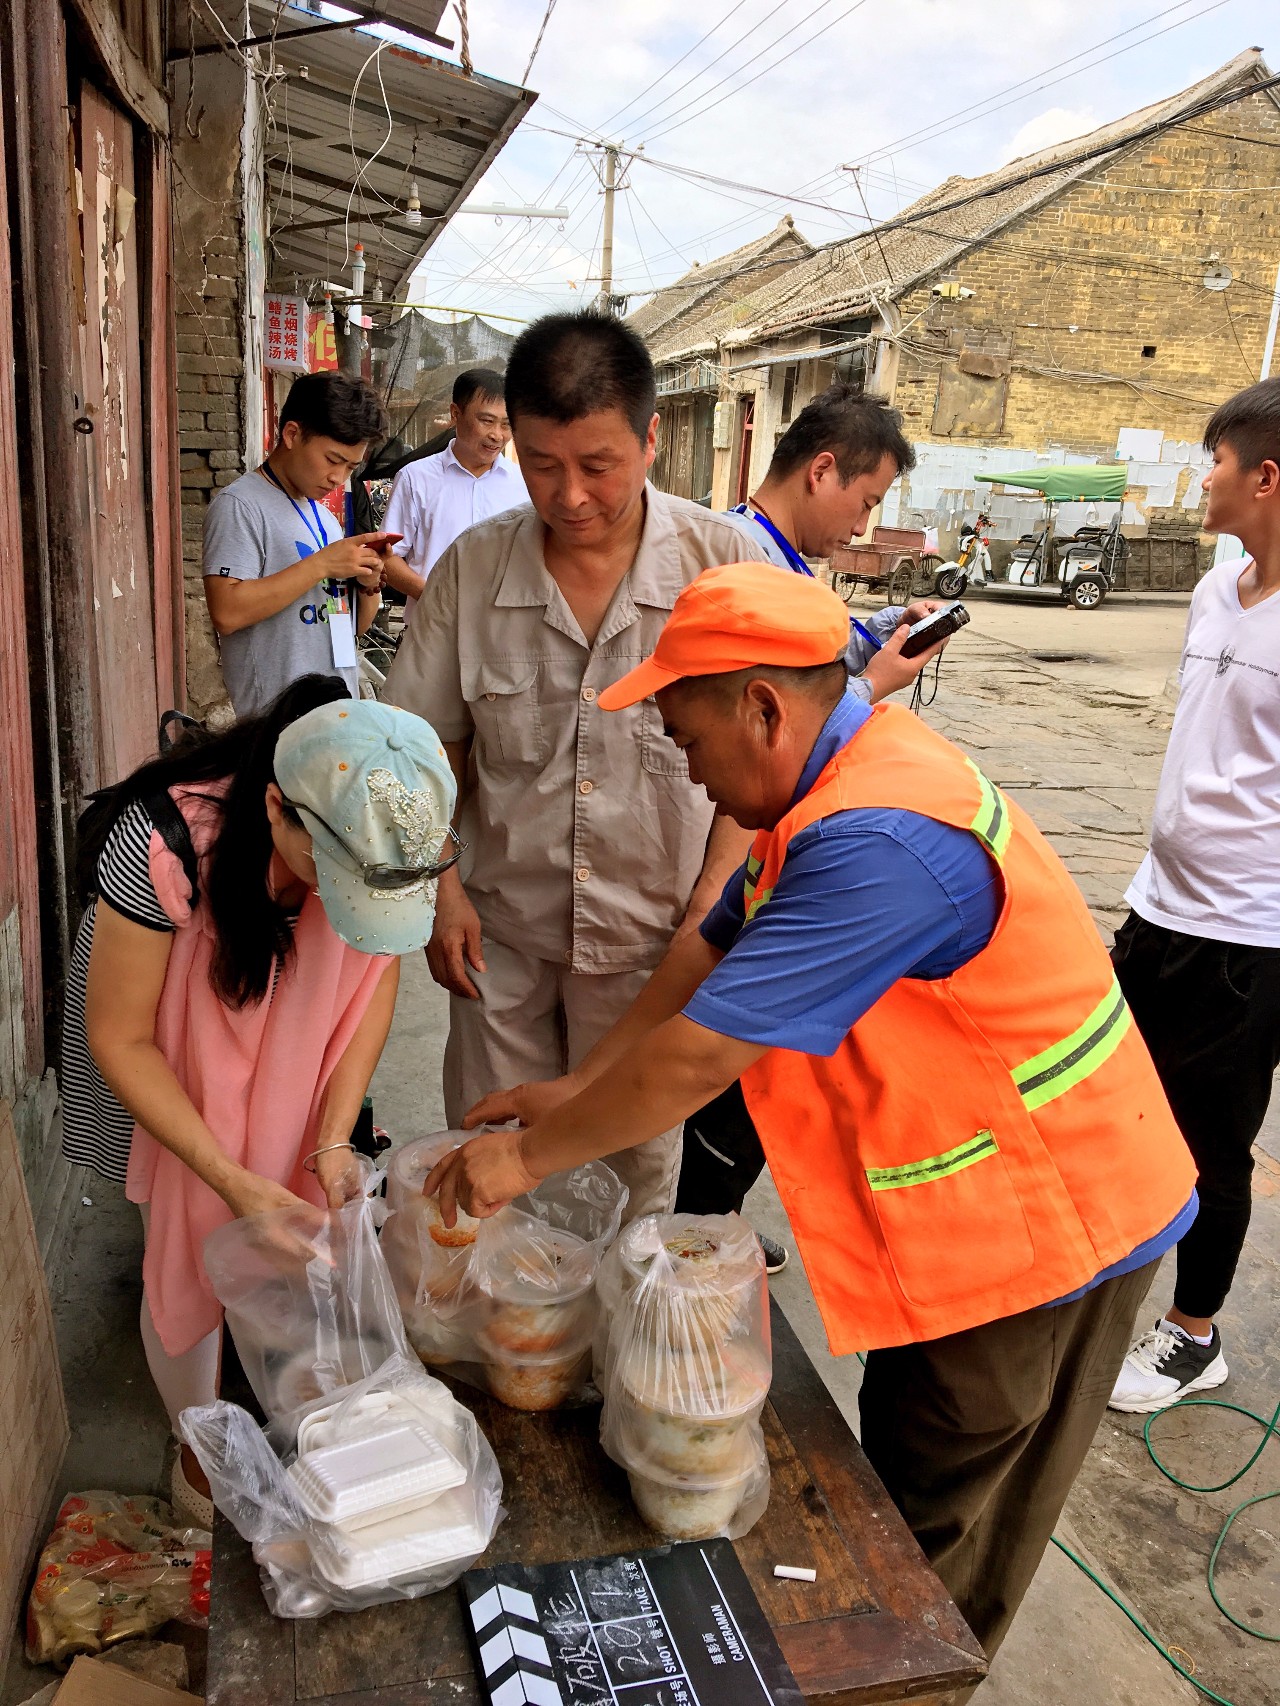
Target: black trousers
<point>721,1158</point>
<point>978,1437</point>
<point>1209,1012</point>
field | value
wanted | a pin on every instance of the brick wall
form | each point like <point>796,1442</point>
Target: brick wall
<point>1119,258</point>
<point>209,288</point>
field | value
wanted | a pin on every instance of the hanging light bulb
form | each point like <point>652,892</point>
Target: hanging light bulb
<point>357,273</point>
<point>328,309</point>
<point>377,288</point>
<point>413,207</point>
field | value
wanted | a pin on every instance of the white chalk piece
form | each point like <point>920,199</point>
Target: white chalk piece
<point>793,1573</point>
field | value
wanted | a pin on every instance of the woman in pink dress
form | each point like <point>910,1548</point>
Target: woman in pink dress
<point>234,981</point>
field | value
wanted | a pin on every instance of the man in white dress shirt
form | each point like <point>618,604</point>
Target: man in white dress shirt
<point>439,497</point>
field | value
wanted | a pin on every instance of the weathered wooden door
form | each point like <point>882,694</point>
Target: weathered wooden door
<point>21,1014</point>
<point>112,370</point>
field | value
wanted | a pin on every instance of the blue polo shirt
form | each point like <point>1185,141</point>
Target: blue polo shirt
<point>864,897</point>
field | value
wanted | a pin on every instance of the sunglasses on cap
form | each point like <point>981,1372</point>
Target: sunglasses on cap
<point>387,877</point>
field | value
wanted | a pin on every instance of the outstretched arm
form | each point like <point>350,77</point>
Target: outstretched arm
<point>667,1074</point>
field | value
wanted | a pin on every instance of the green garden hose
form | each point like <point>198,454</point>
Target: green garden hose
<point>1270,1430</point>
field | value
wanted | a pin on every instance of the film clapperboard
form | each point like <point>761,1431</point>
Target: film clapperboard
<point>676,1626</point>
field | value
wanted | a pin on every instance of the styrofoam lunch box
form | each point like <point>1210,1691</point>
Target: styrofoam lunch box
<point>357,1480</point>
<point>403,1546</point>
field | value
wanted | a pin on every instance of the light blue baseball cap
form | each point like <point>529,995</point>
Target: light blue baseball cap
<point>374,788</point>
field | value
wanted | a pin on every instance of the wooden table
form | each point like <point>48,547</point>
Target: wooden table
<point>877,1625</point>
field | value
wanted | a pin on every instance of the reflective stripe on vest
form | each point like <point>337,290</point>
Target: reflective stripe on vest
<point>992,825</point>
<point>753,897</point>
<point>933,1166</point>
<point>1063,1065</point>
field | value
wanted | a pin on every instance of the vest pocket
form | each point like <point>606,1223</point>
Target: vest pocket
<point>953,1223</point>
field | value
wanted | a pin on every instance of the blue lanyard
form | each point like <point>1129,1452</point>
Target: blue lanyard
<point>314,525</point>
<point>794,560</point>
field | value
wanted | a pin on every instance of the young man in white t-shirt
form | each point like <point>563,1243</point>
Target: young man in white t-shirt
<point>1199,956</point>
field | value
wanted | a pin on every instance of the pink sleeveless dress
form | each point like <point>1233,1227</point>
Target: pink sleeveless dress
<point>256,1075</point>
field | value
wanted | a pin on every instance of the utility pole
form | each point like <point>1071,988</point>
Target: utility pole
<point>605,300</point>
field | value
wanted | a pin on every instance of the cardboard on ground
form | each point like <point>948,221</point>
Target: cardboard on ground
<point>92,1683</point>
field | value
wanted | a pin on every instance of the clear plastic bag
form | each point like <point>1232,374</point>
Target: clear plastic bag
<point>686,1365</point>
<point>309,1303</point>
<point>509,1303</point>
<point>310,1567</point>
<point>115,1566</point>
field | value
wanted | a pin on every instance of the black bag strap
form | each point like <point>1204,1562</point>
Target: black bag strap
<point>186,727</point>
<point>172,828</point>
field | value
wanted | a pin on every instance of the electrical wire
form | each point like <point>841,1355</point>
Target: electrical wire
<point>358,180</point>
<point>982,109</point>
<point>542,30</point>
<point>1248,365</point>
<point>673,121</point>
<point>637,119</point>
<point>662,76</point>
<point>640,250</point>
<point>1140,1626</point>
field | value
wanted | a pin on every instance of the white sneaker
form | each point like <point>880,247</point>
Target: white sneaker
<point>1165,1366</point>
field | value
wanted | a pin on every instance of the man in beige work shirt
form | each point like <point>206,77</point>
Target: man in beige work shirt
<point>588,846</point>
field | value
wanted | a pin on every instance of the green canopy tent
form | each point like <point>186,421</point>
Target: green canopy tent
<point>1096,482</point>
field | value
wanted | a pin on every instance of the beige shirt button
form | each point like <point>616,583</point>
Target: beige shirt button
<point>585,787</point>
<point>582,873</point>
<point>588,693</point>
<point>491,695</point>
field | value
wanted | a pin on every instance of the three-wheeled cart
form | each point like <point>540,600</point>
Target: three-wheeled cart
<point>895,562</point>
<point>1080,568</point>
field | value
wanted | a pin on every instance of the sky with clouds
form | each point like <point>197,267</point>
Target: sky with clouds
<point>780,95</point>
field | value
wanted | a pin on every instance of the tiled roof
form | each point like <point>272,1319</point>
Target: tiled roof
<point>840,282</point>
<point>705,290</point>
<point>843,281</point>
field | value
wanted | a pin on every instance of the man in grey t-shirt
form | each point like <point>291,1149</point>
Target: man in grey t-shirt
<point>287,593</point>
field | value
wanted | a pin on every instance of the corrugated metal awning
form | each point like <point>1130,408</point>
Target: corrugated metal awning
<point>355,120</point>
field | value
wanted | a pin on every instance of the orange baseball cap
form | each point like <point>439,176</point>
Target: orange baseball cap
<point>738,617</point>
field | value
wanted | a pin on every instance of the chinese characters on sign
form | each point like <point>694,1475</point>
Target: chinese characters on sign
<point>674,1626</point>
<point>286,334</point>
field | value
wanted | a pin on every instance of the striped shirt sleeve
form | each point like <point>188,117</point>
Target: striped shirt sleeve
<point>124,870</point>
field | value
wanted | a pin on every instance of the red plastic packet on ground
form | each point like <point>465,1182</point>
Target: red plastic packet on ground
<point>115,1566</point>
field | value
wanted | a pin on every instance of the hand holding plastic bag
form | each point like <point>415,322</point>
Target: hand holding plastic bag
<point>507,1303</point>
<point>309,1303</point>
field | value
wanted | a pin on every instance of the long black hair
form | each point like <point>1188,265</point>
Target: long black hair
<point>253,930</point>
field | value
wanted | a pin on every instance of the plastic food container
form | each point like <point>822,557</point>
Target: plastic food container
<point>407,1173</point>
<point>719,1294</point>
<point>534,1382</point>
<point>683,1445</point>
<point>402,1466</point>
<point>402,1546</point>
<point>688,1509</point>
<point>301,1379</point>
<point>541,1294</point>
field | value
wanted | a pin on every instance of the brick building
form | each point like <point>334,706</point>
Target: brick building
<point>1092,301</point>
